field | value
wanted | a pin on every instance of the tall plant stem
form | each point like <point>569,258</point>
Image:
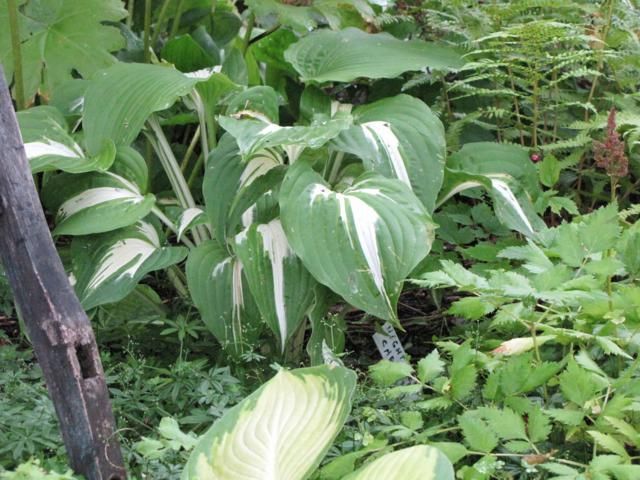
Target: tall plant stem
<point>174,173</point>
<point>161,15</point>
<point>147,31</point>
<point>516,105</point>
<point>247,34</point>
<point>176,20</point>
<point>130,8</point>
<point>17,53</point>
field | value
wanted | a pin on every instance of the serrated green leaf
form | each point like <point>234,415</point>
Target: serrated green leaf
<point>430,367</point>
<point>608,442</point>
<point>538,425</point>
<point>386,372</point>
<point>463,382</point>
<point>577,385</point>
<point>476,432</point>
<point>506,423</point>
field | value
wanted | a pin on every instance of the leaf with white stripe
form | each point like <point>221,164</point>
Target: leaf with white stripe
<point>232,186</point>
<point>281,285</point>
<point>218,289</point>
<point>188,219</point>
<point>254,134</point>
<point>421,462</point>
<point>362,242</point>
<point>399,137</point>
<point>94,203</point>
<point>107,267</point>
<point>281,431</point>
<point>49,146</point>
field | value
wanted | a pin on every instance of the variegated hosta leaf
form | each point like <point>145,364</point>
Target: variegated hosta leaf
<point>120,99</point>
<point>219,291</point>
<point>130,165</point>
<point>343,56</point>
<point>361,242</point>
<point>399,137</point>
<point>261,101</point>
<point>281,431</point>
<point>49,146</point>
<point>421,462</point>
<point>107,267</point>
<point>189,219</point>
<point>94,203</point>
<point>231,186</point>
<point>254,134</point>
<point>281,285</point>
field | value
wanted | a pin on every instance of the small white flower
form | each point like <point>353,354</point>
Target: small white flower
<point>516,346</point>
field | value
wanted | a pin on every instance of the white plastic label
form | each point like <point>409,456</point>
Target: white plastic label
<point>389,344</point>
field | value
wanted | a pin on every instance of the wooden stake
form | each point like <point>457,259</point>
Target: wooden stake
<point>56,324</point>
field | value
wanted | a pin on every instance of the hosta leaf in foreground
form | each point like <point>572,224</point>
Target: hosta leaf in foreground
<point>281,431</point>
<point>49,146</point>
<point>281,285</point>
<point>219,291</point>
<point>121,98</point>
<point>107,267</point>
<point>415,463</point>
<point>400,137</point>
<point>343,56</point>
<point>94,203</point>
<point>362,242</point>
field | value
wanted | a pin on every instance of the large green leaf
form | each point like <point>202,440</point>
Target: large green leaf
<point>400,137</point>
<point>343,56</point>
<point>421,462</point>
<point>219,291</point>
<point>280,284</point>
<point>120,99</point>
<point>94,202</point>
<point>107,267</point>
<point>49,146</point>
<point>60,38</point>
<point>362,242</point>
<point>281,431</point>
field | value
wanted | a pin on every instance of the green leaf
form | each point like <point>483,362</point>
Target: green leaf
<point>219,291</point>
<point>577,385</point>
<point>463,382</point>
<point>362,242</point>
<point>187,54</point>
<point>549,171</point>
<point>107,267</point>
<point>337,468</point>
<point>608,442</point>
<point>538,425</point>
<point>506,423</point>
<point>59,38</point>
<point>94,203</point>
<point>260,99</point>
<point>565,416</point>
<point>49,146</point>
<point>476,432</point>
<point>120,99</point>
<point>343,56</point>
<point>385,373</point>
<point>282,287</point>
<point>421,462</point>
<point>430,367</point>
<point>400,137</point>
<point>282,430</point>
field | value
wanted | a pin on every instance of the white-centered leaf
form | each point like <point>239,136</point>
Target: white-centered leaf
<point>281,431</point>
<point>49,146</point>
<point>189,219</point>
<point>399,137</point>
<point>421,462</point>
<point>94,202</point>
<point>253,134</point>
<point>281,285</point>
<point>219,291</point>
<point>361,242</point>
<point>345,55</point>
<point>107,267</point>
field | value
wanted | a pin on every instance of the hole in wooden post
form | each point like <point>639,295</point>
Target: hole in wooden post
<point>85,360</point>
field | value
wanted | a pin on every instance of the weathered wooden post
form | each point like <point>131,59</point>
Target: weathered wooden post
<point>56,323</point>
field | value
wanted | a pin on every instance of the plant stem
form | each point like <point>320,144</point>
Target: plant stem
<point>605,34</point>
<point>161,15</point>
<point>147,28</point>
<point>176,20</point>
<point>17,54</point>
<point>130,8</point>
<point>247,34</point>
<point>169,224</point>
<point>190,148</point>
